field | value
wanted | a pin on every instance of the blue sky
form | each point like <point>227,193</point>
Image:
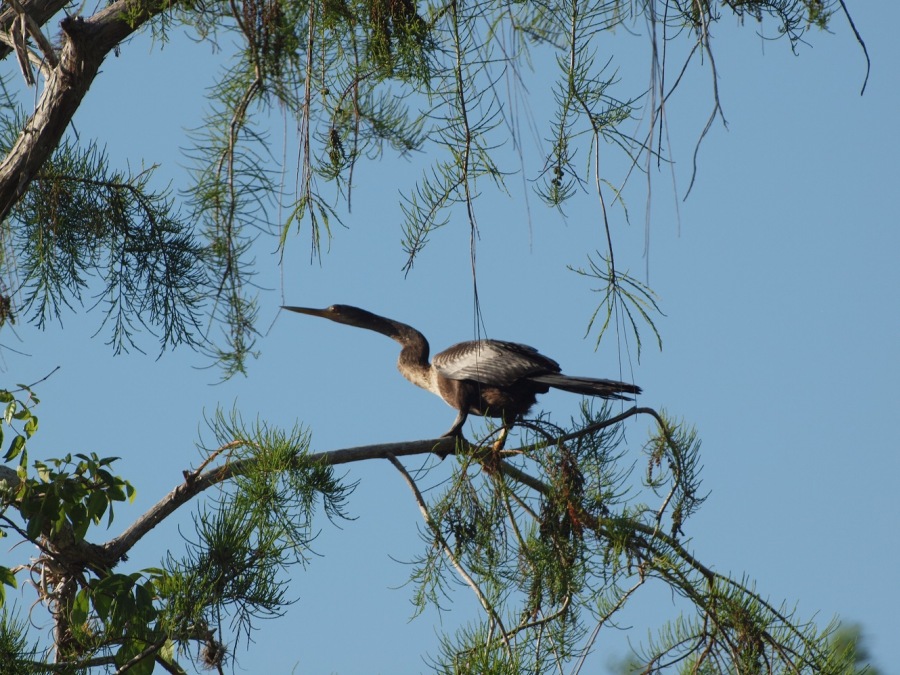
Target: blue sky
<point>778,276</point>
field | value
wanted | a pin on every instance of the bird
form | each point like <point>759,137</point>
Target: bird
<point>491,378</point>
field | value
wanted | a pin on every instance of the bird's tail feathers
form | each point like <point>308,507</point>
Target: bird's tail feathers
<point>589,386</point>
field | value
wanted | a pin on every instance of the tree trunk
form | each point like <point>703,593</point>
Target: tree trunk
<point>85,44</point>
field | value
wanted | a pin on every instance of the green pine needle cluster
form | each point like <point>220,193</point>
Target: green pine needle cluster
<point>85,234</point>
<point>355,78</point>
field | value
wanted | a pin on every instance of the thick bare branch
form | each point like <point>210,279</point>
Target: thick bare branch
<point>119,547</point>
<point>85,44</point>
<point>40,11</point>
<point>116,549</point>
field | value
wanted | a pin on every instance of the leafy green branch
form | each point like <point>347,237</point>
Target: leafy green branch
<point>565,543</point>
<point>554,537</point>
<point>80,221</point>
<point>258,526</point>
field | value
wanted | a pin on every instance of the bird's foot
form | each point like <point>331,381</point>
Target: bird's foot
<point>445,448</point>
<point>497,445</point>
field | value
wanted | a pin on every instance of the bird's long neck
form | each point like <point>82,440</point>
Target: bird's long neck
<point>413,362</point>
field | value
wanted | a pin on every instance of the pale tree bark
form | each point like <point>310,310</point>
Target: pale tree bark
<point>85,43</point>
<point>40,11</point>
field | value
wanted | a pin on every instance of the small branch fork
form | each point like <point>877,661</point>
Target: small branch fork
<point>21,27</point>
<point>69,73</point>
<point>435,529</point>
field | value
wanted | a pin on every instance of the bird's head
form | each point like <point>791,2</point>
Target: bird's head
<point>352,316</point>
<point>339,313</point>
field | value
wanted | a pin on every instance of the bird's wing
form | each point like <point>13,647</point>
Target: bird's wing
<point>492,362</point>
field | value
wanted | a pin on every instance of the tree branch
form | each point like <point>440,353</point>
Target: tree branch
<point>194,485</point>
<point>645,541</point>
<point>117,548</point>
<point>113,551</point>
<point>439,537</point>
<point>40,11</point>
<point>85,44</point>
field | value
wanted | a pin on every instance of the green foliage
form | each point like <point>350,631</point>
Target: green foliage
<point>16,655</point>
<point>626,303</point>
<point>848,641</point>
<point>70,493</point>
<point>81,221</point>
<point>118,609</point>
<point>16,413</point>
<point>793,17</point>
<point>674,454</point>
<point>473,650</point>
<point>554,559</point>
<point>584,105</point>
<point>552,539</point>
<point>757,637</point>
<point>355,77</point>
<point>232,192</point>
<point>235,572</point>
<point>57,501</point>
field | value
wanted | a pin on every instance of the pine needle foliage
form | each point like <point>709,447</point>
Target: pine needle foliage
<point>16,654</point>
<point>355,79</point>
<point>233,574</point>
<point>86,234</point>
<point>554,540</point>
<point>626,304</point>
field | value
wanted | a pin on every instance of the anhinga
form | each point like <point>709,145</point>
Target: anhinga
<point>483,377</point>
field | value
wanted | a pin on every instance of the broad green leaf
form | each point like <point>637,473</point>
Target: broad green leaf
<point>34,527</point>
<point>116,493</point>
<point>7,577</point>
<point>129,650</point>
<point>81,607</point>
<point>143,595</point>
<point>102,603</point>
<point>96,506</point>
<point>80,528</point>
<point>15,447</point>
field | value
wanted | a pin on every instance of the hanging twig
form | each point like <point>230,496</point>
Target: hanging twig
<point>861,44</point>
<point>435,529</point>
